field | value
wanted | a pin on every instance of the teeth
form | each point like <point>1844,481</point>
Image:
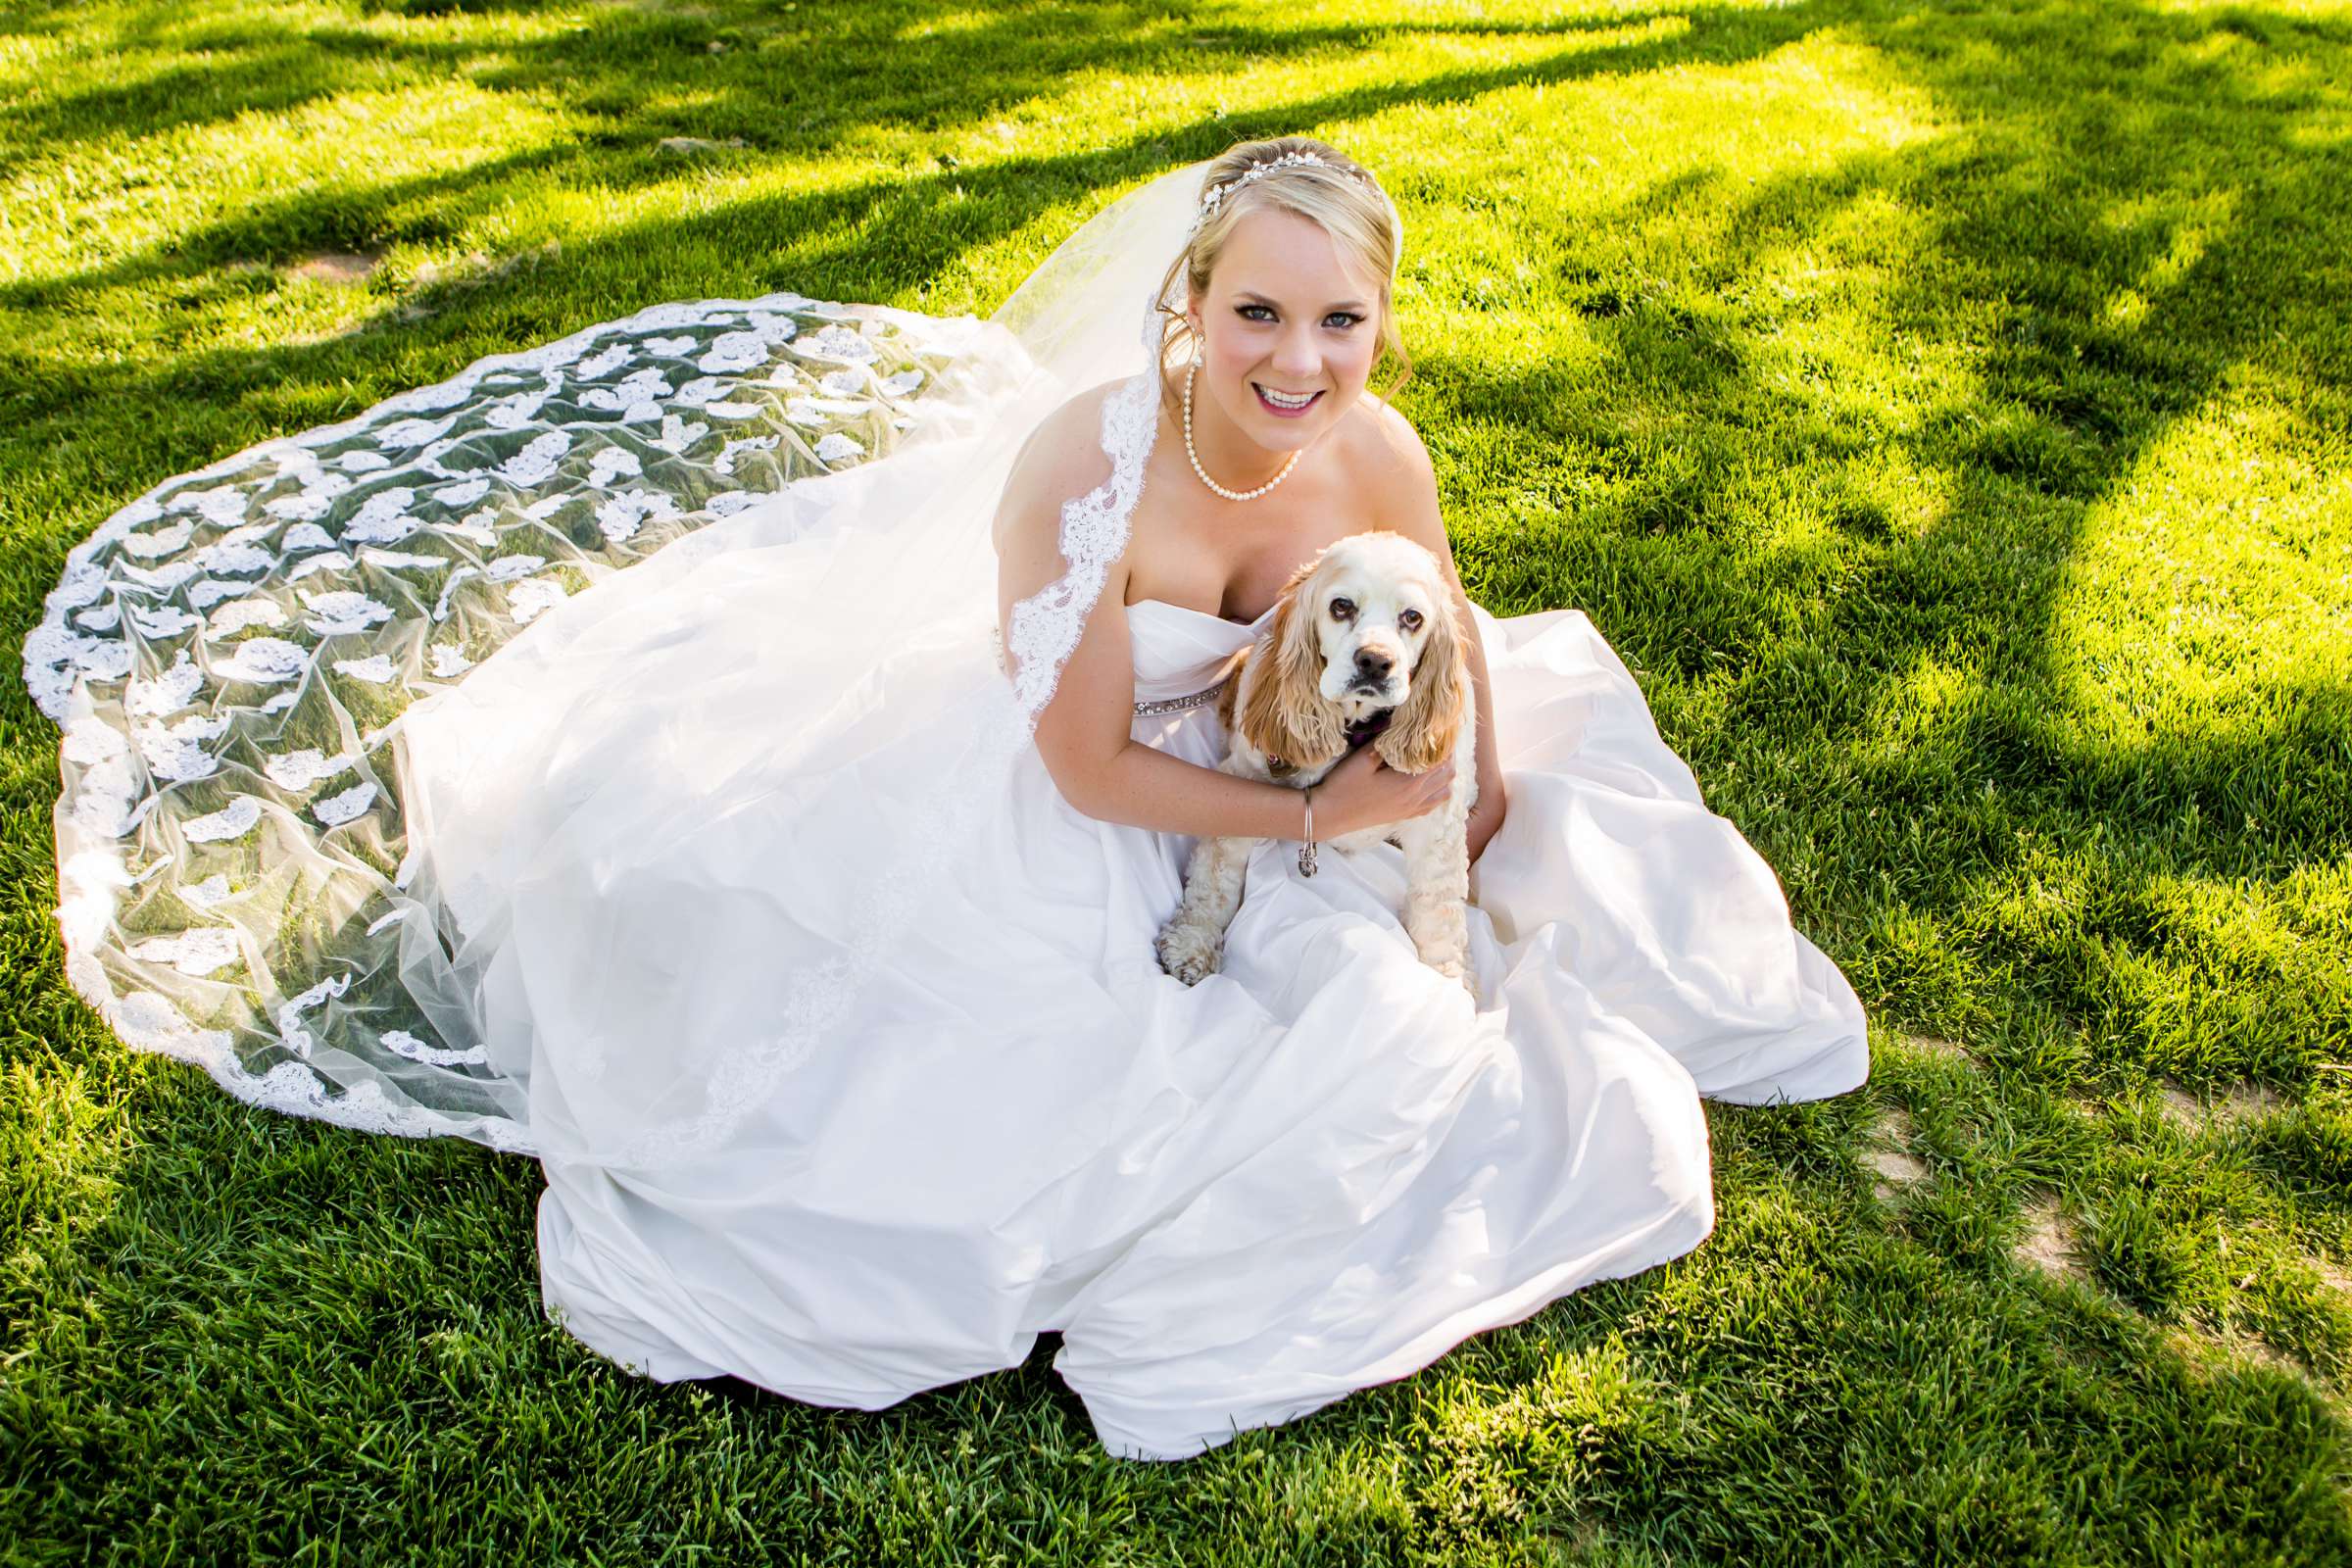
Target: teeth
<point>1283,401</point>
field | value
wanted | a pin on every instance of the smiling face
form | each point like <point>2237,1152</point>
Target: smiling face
<point>1289,331</point>
<point>1375,600</point>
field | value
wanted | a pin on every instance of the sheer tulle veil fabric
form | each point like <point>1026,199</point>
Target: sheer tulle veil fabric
<point>876,580</point>
<point>277,862</point>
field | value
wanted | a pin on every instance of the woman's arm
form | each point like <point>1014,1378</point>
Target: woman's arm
<point>1085,732</point>
<point>1412,511</point>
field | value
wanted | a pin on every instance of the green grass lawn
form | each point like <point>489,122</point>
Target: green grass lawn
<point>1947,410</point>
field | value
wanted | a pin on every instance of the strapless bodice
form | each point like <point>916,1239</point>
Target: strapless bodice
<point>1178,651</point>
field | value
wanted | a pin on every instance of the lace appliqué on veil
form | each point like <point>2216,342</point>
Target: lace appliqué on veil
<point>230,654</point>
<point>1046,626</point>
<point>237,886</point>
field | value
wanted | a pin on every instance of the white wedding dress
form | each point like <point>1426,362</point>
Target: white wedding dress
<point>732,889</point>
<point>1316,1170</point>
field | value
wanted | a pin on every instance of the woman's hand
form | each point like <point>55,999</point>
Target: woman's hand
<point>1362,791</point>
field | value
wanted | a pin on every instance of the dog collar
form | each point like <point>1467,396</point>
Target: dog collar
<point>1371,724</point>
<point>1362,730</point>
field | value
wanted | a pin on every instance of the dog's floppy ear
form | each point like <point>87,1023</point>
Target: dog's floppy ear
<point>1285,713</point>
<point>1426,726</point>
<point>1228,682</point>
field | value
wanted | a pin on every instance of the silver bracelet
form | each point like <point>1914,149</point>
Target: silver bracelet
<point>1306,847</point>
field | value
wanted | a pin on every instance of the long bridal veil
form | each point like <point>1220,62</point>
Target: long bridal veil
<point>343,712</point>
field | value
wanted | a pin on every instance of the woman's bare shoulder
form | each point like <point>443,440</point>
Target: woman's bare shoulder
<point>1383,450</point>
<point>1384,432</point>
<point>1074,426</point>
<point>1061,458</point>
<point>1064,447</point>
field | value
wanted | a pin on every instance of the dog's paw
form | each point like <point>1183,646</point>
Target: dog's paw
<point>1190,952</point>
<point>1455,969</point>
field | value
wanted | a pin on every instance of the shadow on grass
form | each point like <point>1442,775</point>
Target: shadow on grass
<point>1802,615</point>
<point>964,67</point>
<point>881,239</point>
<point>2021,1426</point>
<point>798,77</point>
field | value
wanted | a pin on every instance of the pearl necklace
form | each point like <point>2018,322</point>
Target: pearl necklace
<point>1231,495</point>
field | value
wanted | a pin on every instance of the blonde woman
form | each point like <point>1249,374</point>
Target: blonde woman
<point>791,894</point>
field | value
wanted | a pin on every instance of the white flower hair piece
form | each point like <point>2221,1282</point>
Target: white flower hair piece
<point>1215,197</point>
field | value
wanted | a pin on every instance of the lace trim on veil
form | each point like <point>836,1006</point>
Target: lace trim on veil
<point>225,890</point>
<point>1046,626</point>
<point>769,390</point>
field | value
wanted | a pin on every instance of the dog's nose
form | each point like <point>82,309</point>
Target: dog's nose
<point>1374,664</point>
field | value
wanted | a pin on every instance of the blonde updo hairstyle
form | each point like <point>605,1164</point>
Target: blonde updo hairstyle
<point>1355,212</point>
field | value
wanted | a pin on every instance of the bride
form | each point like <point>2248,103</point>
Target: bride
<point>792,893</point>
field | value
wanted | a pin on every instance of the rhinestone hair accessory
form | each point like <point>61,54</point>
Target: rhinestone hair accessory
<point>1212,199</point>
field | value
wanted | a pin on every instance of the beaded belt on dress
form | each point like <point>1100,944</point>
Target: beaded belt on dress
<point>1173,704</point>
<point>1164,704</point>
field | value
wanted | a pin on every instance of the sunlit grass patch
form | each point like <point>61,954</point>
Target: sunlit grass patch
<point>1943,409</point>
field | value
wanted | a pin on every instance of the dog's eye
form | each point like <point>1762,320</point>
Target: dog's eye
<point>1410,620</point>
<point>1341,609</point>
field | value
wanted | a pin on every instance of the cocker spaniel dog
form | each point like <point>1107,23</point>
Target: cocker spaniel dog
<point>1366,644</point>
